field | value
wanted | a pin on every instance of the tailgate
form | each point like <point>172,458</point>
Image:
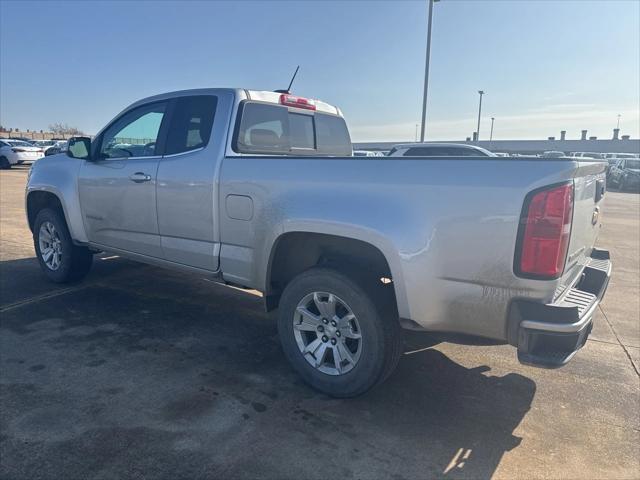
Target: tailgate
<point>589,191</point>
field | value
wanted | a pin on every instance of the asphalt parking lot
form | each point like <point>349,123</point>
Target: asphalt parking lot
<point>144,373</point>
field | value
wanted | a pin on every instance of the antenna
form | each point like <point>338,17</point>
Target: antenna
<point>288,90</point>
<point>293,78</point>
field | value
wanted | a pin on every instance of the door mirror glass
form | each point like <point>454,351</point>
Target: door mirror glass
<point>79,147</point>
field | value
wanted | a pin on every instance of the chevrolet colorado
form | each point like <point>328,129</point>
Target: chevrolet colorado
<point>260,190</point>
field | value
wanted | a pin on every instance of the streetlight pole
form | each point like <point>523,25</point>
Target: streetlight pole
<point>479,111</point>
<point>618,126</point>
<point>426,70</point>
<point>491,134</point>
<point>416,137</point>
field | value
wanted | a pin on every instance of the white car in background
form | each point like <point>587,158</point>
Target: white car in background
<point>597,156</point>
<point>58,147</point>
<point>438,150</point>
<point>15,152</point>
<point>553,154</point>
<point>367,153</point>
<point>44,144</point>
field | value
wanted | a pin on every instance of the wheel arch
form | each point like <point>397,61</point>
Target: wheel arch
<point>295,251</point>
<point>37,199</point>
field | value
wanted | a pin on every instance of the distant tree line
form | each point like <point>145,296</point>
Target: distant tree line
<point>64,129</point>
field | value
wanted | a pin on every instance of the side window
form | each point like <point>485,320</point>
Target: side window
<point>134,134</point>
<point>447,152</point>
<point>414,152</point>
<point>191,123</point>
<point>426,152</point>
<point>466,152</point>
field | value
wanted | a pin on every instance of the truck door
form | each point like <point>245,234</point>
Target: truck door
<point>186,182</point>
<point>117,188</point>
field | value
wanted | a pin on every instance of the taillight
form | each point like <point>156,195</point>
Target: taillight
<point>18,149</point>
<point>545,230</point>
<point>299,102</point>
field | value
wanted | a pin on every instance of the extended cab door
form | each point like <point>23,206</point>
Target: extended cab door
<point>117,188</point>
<point>187,216</point>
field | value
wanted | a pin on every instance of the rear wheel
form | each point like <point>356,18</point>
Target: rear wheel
<point>59,258</point>
<point>4,163</point>
<point>337,332</point>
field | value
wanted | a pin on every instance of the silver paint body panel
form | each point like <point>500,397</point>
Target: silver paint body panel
<point>446,226</point>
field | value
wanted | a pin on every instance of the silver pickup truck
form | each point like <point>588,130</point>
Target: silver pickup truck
<point>260,190</point>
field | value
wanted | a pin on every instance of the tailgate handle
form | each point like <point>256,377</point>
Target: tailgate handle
<point>601,188</point>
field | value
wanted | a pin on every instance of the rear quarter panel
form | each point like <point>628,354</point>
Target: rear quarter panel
<point>447,227</point>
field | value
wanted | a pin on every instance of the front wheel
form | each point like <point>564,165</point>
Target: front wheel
<point>59,258</point>
<point>337,332</point>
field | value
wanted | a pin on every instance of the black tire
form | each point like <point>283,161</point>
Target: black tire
<point>4,163</point>
<point>371,303</point>
<point>75,261</point>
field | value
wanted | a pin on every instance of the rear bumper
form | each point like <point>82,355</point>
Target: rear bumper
<point>550,335</point>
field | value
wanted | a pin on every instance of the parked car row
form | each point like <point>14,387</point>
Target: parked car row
<point>612,158</point>
<point>58,147</point>
<point>465,150</point>
<point>15,152</point>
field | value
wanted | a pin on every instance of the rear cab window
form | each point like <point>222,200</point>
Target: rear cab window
<point>271,129</point>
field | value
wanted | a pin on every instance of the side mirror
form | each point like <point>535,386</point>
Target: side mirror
<point>79,147</point>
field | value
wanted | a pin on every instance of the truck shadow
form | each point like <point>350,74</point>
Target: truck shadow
<point>191,377</point>
<point>464,418</point>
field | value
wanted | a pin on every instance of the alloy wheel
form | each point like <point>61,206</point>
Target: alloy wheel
<point>327,333</point>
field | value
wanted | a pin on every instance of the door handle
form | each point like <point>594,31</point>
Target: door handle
<point>139,177</point>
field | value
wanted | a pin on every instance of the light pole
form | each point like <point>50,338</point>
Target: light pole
<point>479,111</point>
<point>618,126</point>
<point>491,134</point>
<point>417,125</point>
<point>426,69</point>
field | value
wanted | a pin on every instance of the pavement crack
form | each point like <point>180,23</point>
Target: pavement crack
<point>602,341</point>
<point>45,296</point>
<point>624,348</point>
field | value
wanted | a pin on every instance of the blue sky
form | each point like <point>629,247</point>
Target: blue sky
<point>545,65</point>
